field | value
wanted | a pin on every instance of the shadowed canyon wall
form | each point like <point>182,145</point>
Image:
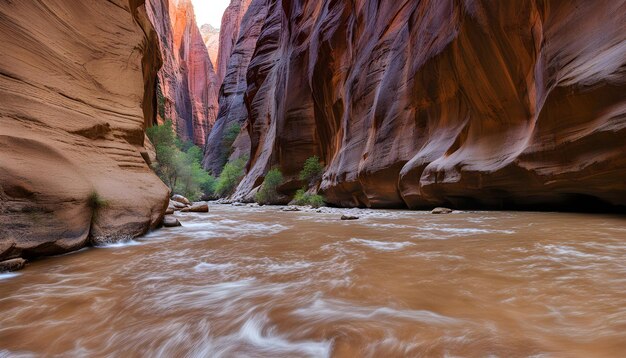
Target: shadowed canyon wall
<point>188,85</point>
<point>479,103</point>
<point>77,83</point>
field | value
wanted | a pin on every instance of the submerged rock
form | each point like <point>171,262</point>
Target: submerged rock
<point>441,211</point>
<point>12,265</point>
<point>202,207</point>
<point>349,217</point>
<point>170,221</point>
<point>181,199</point>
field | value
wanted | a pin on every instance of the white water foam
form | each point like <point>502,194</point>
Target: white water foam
<point>382,245</point>
<point>6,276</point>
<point>324,310</point>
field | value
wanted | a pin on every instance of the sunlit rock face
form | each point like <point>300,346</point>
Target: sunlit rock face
<point>187,80</point>
<point>421,103</point>
<point>232,109</point>
<point>77,82</point>
<point>229,34</point>
<point>211,38</point>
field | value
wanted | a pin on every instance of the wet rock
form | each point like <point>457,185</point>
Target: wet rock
<point>239,204</point>
<point>12,265</point>
<point>169,211</point>
<point>349,217</point>
<point>201,207</point>
<point>181,199</point>
<point>170,221</point>
<point>291,209</point>
<point>441,211</point>
<point>176,205</point>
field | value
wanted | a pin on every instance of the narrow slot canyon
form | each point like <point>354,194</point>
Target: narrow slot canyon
<point>312,178</point>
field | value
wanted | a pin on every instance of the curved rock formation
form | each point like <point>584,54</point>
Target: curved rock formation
<point>478,103</point>
<point>77,86</point>
<point>232,109</point>
<point>187,82</point>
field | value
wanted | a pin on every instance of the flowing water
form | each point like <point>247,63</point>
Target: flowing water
<point>258,282</point>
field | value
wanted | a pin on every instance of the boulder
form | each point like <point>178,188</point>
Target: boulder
<point>201,207</point>
<point>177,205</point>
<point>169,211</point>
<point>12,265</point>
<point>181,199</point>
<point>441,211</point>
<point>170,221</point>
<point>349,217</point>
<point>291,208</point>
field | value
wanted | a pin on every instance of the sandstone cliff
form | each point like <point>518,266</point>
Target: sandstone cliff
<point>187,82</point>
<point>479,103</point>
<point>229,34</point>
<point>211,38</point>
<point>76,92</point>
<point>232,109</point>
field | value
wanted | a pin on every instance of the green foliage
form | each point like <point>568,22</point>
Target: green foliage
<point>312,171</point>
<point>231,176</point>
<point>96,202</point>
<point>268,193</point>
<point>179,163</point>
<point>303,198</point>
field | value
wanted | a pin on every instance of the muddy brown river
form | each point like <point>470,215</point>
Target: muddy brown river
<point>258,282</point>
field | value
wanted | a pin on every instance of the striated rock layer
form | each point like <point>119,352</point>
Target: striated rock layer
<point>232,109</point>
<point>77,86</point>
<point>479,103</point>
<point>188,85</point>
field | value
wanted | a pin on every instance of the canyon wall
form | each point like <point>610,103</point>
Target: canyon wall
<point>77,82</point>
<point>232,109</point>
<point>188,85</point>
<point>478,103</point>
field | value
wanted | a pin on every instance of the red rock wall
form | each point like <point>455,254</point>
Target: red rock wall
<point>479,103</point>
<point>211,38</point>
<point>187,79</point>
<point>77,84</point>
<point>232,109</point>
<point>229,34</point>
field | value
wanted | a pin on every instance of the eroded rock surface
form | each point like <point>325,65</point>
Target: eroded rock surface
<point>439,103</point>
<point>187,82</point>
<point>77,83</point>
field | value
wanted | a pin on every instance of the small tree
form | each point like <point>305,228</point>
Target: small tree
<point>268,194</point>
<point>312,171</point>
<point>231,176</point>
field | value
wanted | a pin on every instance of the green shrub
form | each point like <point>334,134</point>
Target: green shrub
<point>312,171</point>
<point>179,163</point>
<point>231,176</point>
<point>96,202</point>
<point>268,193</point>
<point>303,198</point>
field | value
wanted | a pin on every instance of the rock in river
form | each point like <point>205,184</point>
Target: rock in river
<point>12,265</point>
<point>201,207</point>
<point>349,217</point>
<point>441,211</point>
<point>181,199</point>
<point>170,221</point>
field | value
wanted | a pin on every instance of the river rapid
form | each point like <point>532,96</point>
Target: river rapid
<point>259,282</point>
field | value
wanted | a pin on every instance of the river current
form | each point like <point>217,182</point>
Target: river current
<point>259,282</point>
